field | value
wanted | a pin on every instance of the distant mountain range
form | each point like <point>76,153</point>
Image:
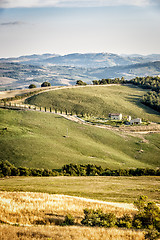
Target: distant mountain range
<point>65,70</point>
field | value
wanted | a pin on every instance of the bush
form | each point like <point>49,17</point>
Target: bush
<point>24,171</point>
<point>45,84</point>
<point>6,168</point>
<point>32,86</point>
<point>69,220</point>
<point>125,221</point>
<point>80,82</point>
<point>148,215</point>
<point>152,234</point>
<point>98,218</point>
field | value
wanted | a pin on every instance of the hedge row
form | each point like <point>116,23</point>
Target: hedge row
<point>94,170</point>
<point>8,169</point>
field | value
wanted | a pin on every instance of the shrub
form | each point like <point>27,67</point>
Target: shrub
<point>152,234</point>
<point>148,215</point>
<point>45,84</point>
<point>69,220</point>
<point>32,86</point>
<point>125,221</point>
<point>98,218</point>
<point>80,82</point>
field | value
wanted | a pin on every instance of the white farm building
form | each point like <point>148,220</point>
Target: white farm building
<point>115,116</point>
<point>136,121</point>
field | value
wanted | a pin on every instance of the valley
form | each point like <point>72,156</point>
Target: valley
<point>18,73</point>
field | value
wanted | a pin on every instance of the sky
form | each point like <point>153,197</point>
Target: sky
<point>79,26</point>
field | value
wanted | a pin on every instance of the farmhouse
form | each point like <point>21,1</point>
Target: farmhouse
<point>136,121</point>
<point>129,118</point>
<point>115,116</point>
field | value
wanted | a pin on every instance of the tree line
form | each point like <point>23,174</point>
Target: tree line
<point>8,169</point>
<point>152,99</point>
<point>109,81</point>
<point>147,82</point>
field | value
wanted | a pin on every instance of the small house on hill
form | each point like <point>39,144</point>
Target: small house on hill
<point>115,116</point>
<point>129,118</point>
<point>136,121</point>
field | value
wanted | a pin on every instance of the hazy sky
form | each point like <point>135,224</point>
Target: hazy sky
<point>67,26</point>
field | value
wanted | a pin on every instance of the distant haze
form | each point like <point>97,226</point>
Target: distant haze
<point>66,70</point>
<point>62,27</point>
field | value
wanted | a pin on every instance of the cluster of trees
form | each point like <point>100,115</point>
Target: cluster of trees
<point>152,99</point>
<point>94,170</point>
<point>147,82</point>
<point>44,84</point>
<point>147,217</point>
<point>8,169</point>
<point>109,81</point>
<point>80,82</point>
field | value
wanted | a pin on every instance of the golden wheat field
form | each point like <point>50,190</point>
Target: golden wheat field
<point>26,215</point>
<point>67,233</point>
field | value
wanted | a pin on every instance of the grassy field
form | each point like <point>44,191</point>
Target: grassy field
<point>39,215</point>
<point>115,189</point>
<point>36,139</point>
<point>98,101</point>
<point>67,233</point>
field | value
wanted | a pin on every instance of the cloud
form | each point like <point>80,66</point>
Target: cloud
<point>154,2</point>
<point>74,3</point>
<point>11,23</point>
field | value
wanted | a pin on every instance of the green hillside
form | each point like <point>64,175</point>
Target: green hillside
<point>98,101</point>
<point>36,139</point>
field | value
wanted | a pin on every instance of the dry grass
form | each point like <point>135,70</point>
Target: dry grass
<point>67,233</point>
<point>37,214</point>
<point>42,208</point>
<point>13,93</point>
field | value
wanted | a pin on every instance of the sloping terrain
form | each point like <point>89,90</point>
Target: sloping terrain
<point>128,71</point>
<point>37,139</point>
<point>66,70</point>
<point>98,101</point>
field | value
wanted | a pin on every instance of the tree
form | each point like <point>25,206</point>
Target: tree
<point>32,86</point>
<point>95,82</point>
<point>148,215</point>
<point>45,84</point>
<point>80,82</point>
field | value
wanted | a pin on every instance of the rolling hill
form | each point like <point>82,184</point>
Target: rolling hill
<point>98,101</point>
<point>86,60</point>
<point>37,139</point>
<point>66,70</point>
